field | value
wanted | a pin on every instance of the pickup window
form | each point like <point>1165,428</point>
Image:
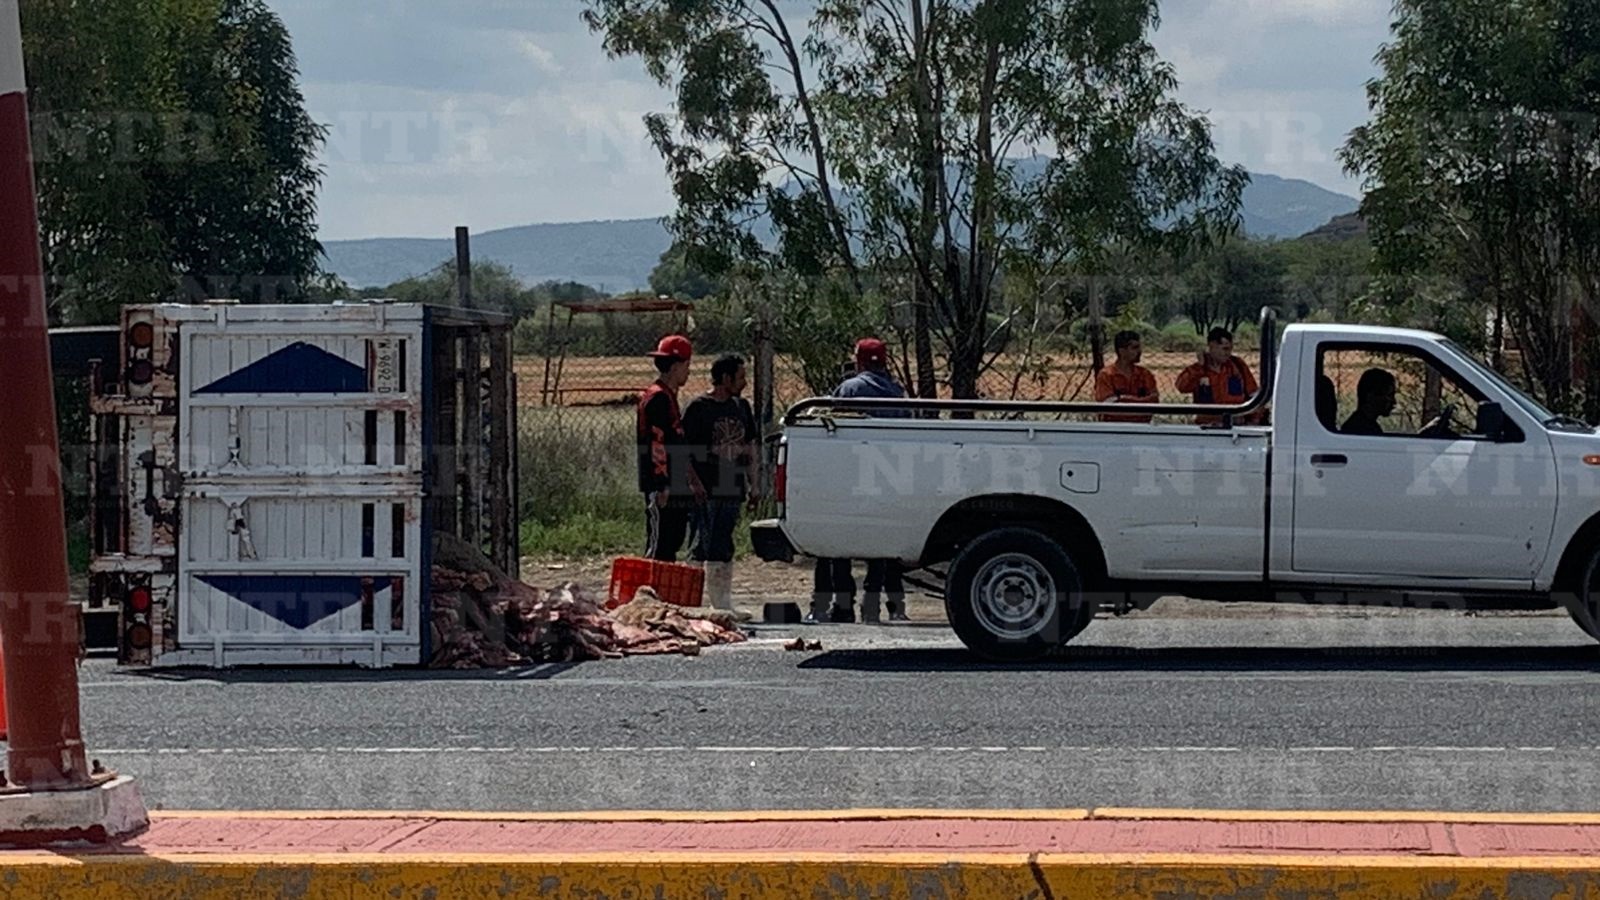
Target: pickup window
<point>1412,394</point>
<point>1424,493</point>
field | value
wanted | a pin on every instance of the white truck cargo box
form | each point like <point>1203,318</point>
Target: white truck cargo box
<point>279,472</point>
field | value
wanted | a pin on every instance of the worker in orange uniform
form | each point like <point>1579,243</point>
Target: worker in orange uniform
<point>1219,377</point>
<point>1125,381</point>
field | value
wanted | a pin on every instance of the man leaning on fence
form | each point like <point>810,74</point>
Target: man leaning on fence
<point>721,432</point>
<point>666,479</point>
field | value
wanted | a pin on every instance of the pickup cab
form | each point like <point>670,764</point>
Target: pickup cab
<point>1038,516</point>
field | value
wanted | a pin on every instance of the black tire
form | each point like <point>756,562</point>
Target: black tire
<point>1014,595</point>
<point>1586,611</point>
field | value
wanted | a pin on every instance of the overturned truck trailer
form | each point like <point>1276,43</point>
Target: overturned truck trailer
<point>268,479</point>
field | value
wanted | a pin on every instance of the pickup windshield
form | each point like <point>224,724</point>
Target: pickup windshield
<point>1529,405</point>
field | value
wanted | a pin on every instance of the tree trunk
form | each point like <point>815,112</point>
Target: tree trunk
<point>1097,327</point>
<point>973,293</point>
<point>964,372</point>
<point>922,327</point>
<point>819,152</point>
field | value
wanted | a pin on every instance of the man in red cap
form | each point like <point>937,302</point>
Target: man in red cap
<point>884,582</point>
<point>667,481</point>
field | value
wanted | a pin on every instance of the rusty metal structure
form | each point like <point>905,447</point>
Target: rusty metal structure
<point>553,392</point>
<point>268,480</point>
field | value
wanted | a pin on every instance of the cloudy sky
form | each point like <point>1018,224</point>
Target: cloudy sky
<point>494,113</point>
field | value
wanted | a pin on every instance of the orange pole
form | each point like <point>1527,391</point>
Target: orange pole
<point>38,630</point>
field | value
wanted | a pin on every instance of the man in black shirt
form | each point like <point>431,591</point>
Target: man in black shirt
<point>720,431</point>
<point>1375,398</point>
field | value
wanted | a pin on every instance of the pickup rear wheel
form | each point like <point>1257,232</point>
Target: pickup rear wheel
<point>1014,594</point>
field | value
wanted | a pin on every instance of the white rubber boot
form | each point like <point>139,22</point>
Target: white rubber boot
<point>719,585</point>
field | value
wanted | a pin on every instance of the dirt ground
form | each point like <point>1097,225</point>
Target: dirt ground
<point>756,583</point>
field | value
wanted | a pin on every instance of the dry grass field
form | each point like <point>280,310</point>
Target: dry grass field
<point>617,380</point>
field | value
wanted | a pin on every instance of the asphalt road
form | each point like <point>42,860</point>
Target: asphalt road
<point>1424,711</point>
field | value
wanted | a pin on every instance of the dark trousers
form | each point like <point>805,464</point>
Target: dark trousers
<point>832,584</point>
<point>665,527</point>
<point>714,524</point>
<point>885,577</point>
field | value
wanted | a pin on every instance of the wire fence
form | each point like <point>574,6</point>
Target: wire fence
<point>580,375</point>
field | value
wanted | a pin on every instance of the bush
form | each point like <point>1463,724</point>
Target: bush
<point>1179,337</point>
<point>579,485</point>
<point>713,329</point>
<point>583,535</point>
<point>574,463</point>
<point>1079,335</point>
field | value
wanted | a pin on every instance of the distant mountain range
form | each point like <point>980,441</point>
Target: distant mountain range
<point>619,255</point>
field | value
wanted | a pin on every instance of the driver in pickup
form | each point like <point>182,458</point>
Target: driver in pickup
<point>1375,399</point>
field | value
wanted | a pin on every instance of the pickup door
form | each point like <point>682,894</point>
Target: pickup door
<point>1411,503</point>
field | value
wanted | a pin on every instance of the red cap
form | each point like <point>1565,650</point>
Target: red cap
<point>871,352</point>
<point>673,346</point>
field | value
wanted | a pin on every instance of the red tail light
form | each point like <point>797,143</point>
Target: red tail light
<point>142,335</point>
<point>780,483</point>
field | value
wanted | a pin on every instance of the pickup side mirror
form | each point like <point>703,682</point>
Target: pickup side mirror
<point>1491,422</point>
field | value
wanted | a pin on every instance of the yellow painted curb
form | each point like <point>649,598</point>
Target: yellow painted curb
<point>1297,877</point>
<point>803,877</point>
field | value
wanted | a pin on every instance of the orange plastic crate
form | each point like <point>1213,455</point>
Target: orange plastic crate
<point>674,583</point>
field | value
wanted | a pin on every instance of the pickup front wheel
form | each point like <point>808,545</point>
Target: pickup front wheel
<point>1586,611</point>
<point>1014,594</point>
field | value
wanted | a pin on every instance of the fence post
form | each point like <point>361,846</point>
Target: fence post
<point>766,390</point>
<point>472,424</point>
<point>1097,326</point>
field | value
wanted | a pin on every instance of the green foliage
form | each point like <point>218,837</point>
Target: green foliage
<point>1235,282</point>
<point>575,463</point>
<point>1180,336</point>
<point>493,287</point>
<point>1326,275</point>
<point>677,276</point>
<point>1483,194</point>
<point>892,139</point>
<point>584,535</point>
<point>176,159</point>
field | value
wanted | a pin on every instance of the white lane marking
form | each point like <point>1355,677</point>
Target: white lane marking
<point>778,751</point>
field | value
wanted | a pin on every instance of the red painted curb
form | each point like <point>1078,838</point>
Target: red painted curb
<point>445,836</point>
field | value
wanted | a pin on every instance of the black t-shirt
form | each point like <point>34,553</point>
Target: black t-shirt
<point>1360,423</point>
<point>720,434</point>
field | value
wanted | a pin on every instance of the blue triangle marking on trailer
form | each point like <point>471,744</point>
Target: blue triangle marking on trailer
<point>298,601</point>
<point>299,368</point>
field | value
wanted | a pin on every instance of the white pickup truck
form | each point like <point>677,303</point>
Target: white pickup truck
<point>1035,519</point>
